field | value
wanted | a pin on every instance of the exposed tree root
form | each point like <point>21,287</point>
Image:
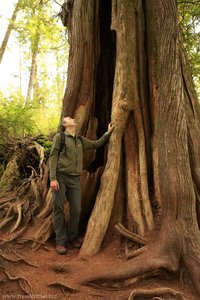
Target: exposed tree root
<point>5,205</point>
<point>6,221</point>
<point>7,198</point>
<point>28,189</point>
<point>22,241</point>
<point>63,286</point>
<point>41,152</point>
<point>13,236</point>
<point>130,235</point>
<point>24,283</point>
<point>6,210</point>
<point>44,233</point>
<point>45,212</point>
<point>118,285</point>
<point>24,259</point>
<point>17,234</point>
<point>36,192</point>
<point>23,186</point>
<point>156,292</point>
<point>150,260</point>
<point>133,253</point>
<point>19,259</point>
<point>13,209</point>
<point>19,218</point>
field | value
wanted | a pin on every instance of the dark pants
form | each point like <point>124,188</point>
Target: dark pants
<point>70,188</point>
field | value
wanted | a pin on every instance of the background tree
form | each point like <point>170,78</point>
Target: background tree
<point>9,29</point>
<point>37,28</point>
<point>43,63</point>
<point>33,70</point>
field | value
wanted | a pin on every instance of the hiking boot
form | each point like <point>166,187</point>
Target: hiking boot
<point>75,244</point>
<point>61,249</point>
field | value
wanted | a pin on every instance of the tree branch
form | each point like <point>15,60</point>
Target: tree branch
<point>130,235</point>
<point>57,3</point>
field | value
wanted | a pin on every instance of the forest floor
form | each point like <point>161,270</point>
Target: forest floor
<point>68,270</point>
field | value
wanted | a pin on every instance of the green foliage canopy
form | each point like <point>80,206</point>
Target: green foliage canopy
<point>36,19</point>
<point>189,16</point>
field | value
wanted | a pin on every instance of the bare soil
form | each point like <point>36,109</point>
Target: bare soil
<point>69,270</point>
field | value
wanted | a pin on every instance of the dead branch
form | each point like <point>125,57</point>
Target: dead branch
<point>130,235</point>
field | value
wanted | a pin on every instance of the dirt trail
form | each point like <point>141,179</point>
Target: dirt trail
<point>67,270</point>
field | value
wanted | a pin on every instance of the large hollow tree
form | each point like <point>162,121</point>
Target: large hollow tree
<point>127,63</point>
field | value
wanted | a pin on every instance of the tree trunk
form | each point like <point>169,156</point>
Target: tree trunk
<point>33,70</point>
<point>149,93</point>
<point>9,29</point>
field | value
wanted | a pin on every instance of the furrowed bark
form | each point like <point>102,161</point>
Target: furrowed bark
<point>133,177</point>
<point>79,94</point>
